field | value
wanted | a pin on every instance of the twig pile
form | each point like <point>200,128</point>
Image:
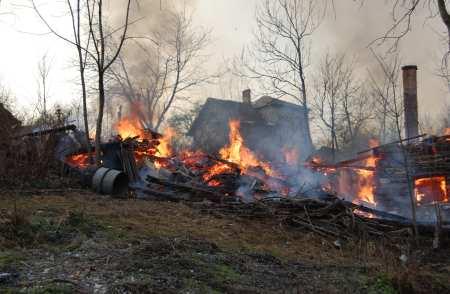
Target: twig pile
<point>335,218</point>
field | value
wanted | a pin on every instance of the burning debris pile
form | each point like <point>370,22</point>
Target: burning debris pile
<point>374,181</point>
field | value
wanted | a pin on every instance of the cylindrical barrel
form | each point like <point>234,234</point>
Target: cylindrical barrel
<point>110,181</point>
<point>410,100</point>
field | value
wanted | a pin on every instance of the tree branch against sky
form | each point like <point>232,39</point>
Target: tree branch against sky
<point>82,46</point>
<point>166,72</point>
<point>103,55</point>
<point>99,47</point>
<point>403,13</point>
<point>279,56</point>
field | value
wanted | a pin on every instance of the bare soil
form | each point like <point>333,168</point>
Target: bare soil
<point>73,241</point>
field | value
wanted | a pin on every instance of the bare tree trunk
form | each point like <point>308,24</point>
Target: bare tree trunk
<point>101,107</point>
<point>85,110</point>
<point>82,67</point>
<point>306,122</point>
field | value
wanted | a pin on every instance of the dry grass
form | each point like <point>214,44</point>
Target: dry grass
<point>134,219</point>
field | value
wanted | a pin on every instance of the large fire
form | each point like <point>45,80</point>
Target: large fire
<point>164,149</point>
<point>430,190</point>
<point>237,153</point>
<point>131,127</point>
<point>354,179</point>
<point>366,186</point>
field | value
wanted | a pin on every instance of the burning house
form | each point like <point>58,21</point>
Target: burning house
<point>268,125</point>
<point>247,151</point>
<point>385,177</point>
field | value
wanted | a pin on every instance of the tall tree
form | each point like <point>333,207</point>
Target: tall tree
<point>82,47</point>
<point>340,102</point>
<point>103,55</point>
<point>167,72</point>
<point>279,56</point>
<point>101,48</point>
<point>43,74</point>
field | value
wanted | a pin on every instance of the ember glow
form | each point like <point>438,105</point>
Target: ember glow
<point>430,190</point>
<point>79,160</point>
<point>374,143</point>
<point>291,156</point>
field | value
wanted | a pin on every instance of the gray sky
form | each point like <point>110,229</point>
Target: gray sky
<point>231,22</point>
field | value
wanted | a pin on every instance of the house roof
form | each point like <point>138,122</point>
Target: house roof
<point>215,109</point>
<point>265,101</point>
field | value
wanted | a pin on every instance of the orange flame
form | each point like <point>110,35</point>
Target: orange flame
<point>236,152</point>
<point>79,160</point>
<point>366,181</point>
<point>357,182</point>
<point>164,149</point>
<point>429,190</point>
<point>130,127</point>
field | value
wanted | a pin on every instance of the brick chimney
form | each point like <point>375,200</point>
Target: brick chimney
<point>410,100</point>
<point>247,96</point>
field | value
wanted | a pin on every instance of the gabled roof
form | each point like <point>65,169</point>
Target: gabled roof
<point>225,110</point>
<point>265,101</point>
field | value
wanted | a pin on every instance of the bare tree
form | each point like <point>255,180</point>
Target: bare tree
<point>103,55</point>
<point>6,97</point>
<point>340,102</point>
<point>102,49</point>
<point>403,12</point>
<point>386,93</point>
<point>279,57</point>
<point>327,98</point>
<point>43,74</point>
<point>82,47</point>
<point>167,71</point>
<point>182,121</point>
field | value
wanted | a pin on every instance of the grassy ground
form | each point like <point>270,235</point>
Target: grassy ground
<point>77,242</point>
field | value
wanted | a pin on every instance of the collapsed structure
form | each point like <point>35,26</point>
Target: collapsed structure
<point>268,125</point>
<point>247,151</point>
